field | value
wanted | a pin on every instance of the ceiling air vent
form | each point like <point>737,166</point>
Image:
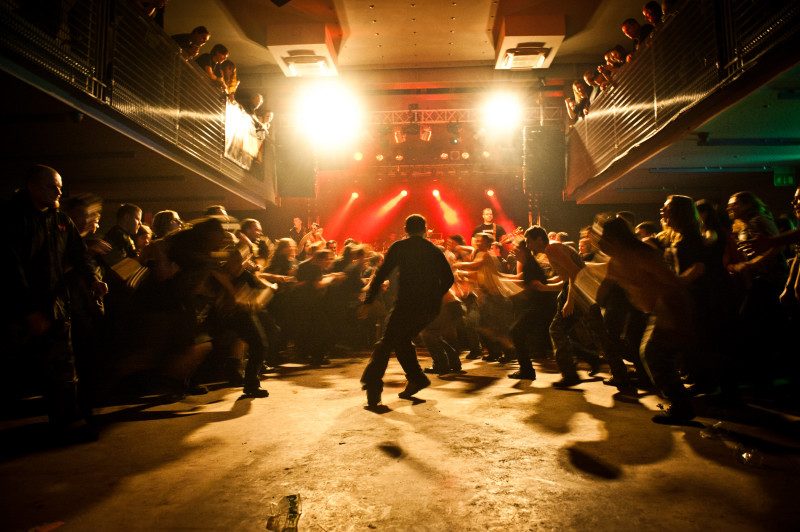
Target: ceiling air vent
<point>303,50</point>
<point>526,42</point>
<point>525,56</point>
<point>306,63</point>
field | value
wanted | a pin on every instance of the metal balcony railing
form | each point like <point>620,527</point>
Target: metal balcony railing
<point>704,47</point>
<point>123,61</point>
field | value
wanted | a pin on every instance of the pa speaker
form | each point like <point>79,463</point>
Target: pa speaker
<point>545,166</point>
<point>296,167</point>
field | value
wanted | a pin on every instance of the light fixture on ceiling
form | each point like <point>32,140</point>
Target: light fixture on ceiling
<point>304,63</point>
<point>303,50</point>
<point>525,56</point>
<point>525,42</point>
<point>398,135</point>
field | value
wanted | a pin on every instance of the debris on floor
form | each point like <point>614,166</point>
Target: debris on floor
<point>285,514</point>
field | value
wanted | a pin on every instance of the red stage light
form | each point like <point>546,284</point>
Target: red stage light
<point>465,155</point>
<point>490,193</point>
<point>444,155</point>
<point>379,157</point>
<point>398,157</point>
<point>436,193</point>
<point>404,193</point>
<point>354,195</point>
<point>358,156</point>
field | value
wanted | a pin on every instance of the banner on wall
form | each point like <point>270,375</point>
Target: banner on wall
<point>243,137</point>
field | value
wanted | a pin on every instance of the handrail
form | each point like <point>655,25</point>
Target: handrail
<point>126,64</point>
<point>704,48</point>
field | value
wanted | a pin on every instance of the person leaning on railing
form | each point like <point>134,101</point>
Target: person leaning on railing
<point>190,43</point>
<point>210,62</point>
<point>578,106</point>
<point>229,78</point>
<point>636,32</point>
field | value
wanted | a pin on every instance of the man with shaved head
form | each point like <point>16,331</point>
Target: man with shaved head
<point>40,246</point>
<point>423,278</point>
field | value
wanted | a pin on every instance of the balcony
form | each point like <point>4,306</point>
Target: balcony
<point>705,58</point>
<point>105,60</point>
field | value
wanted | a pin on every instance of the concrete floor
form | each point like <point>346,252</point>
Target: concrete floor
<point>482,452</point>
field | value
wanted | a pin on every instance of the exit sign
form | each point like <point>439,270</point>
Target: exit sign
<point>783,178</point>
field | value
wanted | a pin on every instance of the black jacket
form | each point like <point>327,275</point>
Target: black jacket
<point>424,275</point>
<point>38,249</point>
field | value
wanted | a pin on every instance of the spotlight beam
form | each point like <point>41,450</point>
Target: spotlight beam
<point>391,204</point>
<point>371,223</point>
<point>499,214</point>
<point>334,226</point>
<point>449,213</point>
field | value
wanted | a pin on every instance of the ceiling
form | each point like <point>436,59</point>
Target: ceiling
<point>437,54</point>
<point>394,46</point>
<point>401,34</point>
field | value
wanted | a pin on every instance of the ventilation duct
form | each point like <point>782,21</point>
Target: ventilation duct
<point>526,42</point>
<point>302,50</point>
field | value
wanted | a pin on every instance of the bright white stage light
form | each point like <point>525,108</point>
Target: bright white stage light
<point>502,112</point>
<point>329,114</point>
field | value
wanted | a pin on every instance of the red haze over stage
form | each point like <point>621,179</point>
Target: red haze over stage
<point>379,210</point>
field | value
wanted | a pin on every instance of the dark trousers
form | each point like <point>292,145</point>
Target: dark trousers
<point>625,325</point>
<point>402,327</point>
<point>55,362</point>
<point>562,327</point>
<point>440,337</point>
<point>661,350</point>
<point>530,332</point>
<point>248,328</point>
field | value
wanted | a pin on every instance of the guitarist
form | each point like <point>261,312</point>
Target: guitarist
<point>488,226</point>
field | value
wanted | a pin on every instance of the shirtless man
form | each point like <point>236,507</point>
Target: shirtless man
<point>566,264</point>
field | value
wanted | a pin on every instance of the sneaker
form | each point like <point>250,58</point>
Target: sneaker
<point>567,382</point>
<point>435,371</point>
<point>675,415</point>
<point>527,375</point>
<point>414,386</point>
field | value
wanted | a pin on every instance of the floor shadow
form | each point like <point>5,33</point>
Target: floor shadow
<point>592,465</point>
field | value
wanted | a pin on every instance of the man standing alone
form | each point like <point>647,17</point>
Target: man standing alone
<point>424,277</point>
